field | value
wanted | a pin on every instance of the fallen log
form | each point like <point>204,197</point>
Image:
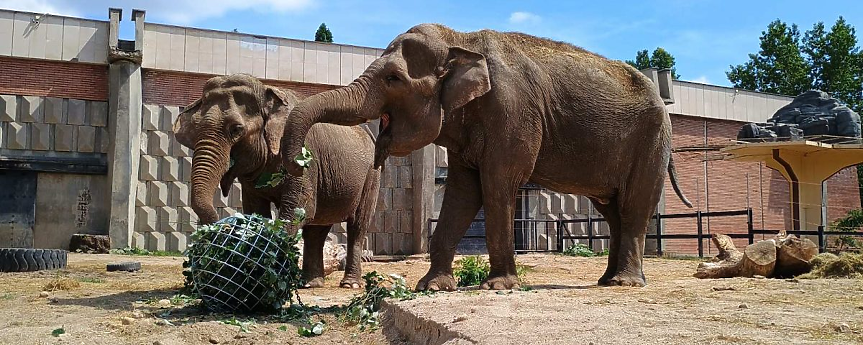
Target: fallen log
<point>759,259</point>
<point>726,264</point>
<point>794,257</point>
<point>782,256</point>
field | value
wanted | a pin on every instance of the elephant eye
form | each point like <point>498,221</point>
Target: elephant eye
<point>393,77</point>
<point>235,130</point>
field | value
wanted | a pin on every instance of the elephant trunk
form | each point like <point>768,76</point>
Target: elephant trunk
<point>351,105</point>
<point>209,163</point>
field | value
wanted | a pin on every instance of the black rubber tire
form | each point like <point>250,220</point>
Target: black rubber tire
<point>128,266</point>
<point>28,260</point>
<point>5,261</point>
<point>40,261</point>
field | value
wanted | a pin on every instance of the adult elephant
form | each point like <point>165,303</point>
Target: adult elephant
<point>235,129</point>
<point>511,108</point>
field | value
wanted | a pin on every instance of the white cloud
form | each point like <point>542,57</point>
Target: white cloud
<point>190,11</point>
<point>40,6</point>
<point>523,17</point>
<point>181,12</point>
<point>702,79</point>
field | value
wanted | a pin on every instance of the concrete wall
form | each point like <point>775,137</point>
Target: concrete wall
<point>722,103</point>
<point>176,48</point>
<point>46,129</point>
<point>68,204</point>
<point>53,37</point>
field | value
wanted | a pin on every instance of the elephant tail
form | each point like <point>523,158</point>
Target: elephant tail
<point>672,174</point>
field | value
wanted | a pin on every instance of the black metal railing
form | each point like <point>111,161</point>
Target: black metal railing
<point>558,227</point>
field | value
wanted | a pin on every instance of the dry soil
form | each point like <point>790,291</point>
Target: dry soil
<point>93,306</point>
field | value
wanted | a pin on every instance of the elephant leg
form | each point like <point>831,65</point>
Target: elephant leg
<point>314,237</point>
<point>358,226</point>
<point>461,202</point>
<point>635,206</point>
<point>498,195</point>
<point>252,204</point>
<point>612,216</point>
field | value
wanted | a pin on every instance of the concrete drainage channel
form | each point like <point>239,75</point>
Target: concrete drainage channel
<point>400,323</point>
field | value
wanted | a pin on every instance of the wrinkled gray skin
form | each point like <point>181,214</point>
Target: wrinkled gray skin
<point>241,118</point>
<point>511,108</point>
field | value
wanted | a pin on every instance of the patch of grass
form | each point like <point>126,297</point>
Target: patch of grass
<point>182,299</point>
<point>91,280</point>
<point>582,250</point>
<point>144,252</point>
<point>471,270</point>
<point>62,283</point>
<point>7,297</point>
<point>521,271</point>
<point>57,332</point>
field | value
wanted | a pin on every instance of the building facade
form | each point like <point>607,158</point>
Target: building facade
<point>86,143</point>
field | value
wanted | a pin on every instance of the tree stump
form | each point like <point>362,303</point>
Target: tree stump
<point>726,264</point>
<point>794,257</point>
<point>759,259</point>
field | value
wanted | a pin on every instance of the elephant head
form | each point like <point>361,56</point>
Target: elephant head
<point>238,120</point>
<point>422,75</point>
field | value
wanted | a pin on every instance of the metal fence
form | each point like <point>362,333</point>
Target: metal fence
<point>559,228</point>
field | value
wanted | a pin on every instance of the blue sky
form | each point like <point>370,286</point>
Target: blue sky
<point>705,36</point>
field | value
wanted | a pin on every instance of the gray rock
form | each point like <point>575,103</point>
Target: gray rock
<point>813,112</point>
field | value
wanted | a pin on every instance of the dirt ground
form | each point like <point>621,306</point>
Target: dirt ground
<point>563,306</point>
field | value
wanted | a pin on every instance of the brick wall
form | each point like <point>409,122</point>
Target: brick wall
<point>842,195</point>
<point>56,79</point>
<point>181,88</point>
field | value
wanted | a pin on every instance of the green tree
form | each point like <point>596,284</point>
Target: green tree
<point>779,67</point>
<point>642,60</point>
<point>323,34</point>
<point>660,59</point>
<point>836,62</point>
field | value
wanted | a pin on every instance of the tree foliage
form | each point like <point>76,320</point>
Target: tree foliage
<point>323,34</point>
<point>659,59</point>
<point>789,64</point>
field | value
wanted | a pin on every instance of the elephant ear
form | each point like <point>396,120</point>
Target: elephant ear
<point>184,127</point>
<point>465,78</point>
<point>277,105</point>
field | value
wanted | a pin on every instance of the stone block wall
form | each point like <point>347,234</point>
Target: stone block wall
<point>36,126</point>
<point>163,215</point>
<point>393,231</point>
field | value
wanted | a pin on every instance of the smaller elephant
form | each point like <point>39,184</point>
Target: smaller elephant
<point>235,130</point>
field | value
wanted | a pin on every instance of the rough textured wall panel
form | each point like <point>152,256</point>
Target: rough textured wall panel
<point>67,204</point>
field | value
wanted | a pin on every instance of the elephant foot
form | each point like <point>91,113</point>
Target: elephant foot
<point>436,282</point>
<point>350,283</point>
<point>502,282</point>
<point>623,279</point>
<point>314,283</point>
